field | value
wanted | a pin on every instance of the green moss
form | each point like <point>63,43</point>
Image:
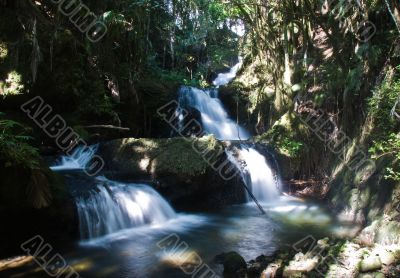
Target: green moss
<point>285,140</point>
<point>181,156</point>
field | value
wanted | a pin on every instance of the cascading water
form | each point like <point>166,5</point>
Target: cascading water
<point>225,78</point>
<point>113,206</point>
<point>214,118</point>
<point>256,173</point>
<point>79,159</point>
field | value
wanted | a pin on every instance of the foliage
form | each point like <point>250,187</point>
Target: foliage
<point>3,51</point>
<point>12,85</point>
<point>14,145</point>
<point>290,146</point>
<point>284,140</point>
<point>386,136</point>
<point>381,103</point>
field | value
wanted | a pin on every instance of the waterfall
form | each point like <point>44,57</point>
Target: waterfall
<point>214,118</point>
<point>112,206</point>
<point>79,159</point>
<point>257,175</point>
<point>225,78</point>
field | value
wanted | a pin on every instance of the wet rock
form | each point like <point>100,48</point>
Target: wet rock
<point>255,267</point>
<point>370,263</point>
<point>234,264</point>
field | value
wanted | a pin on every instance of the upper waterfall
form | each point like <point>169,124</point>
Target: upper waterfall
<point>214,118</point>
<point>258,176</point>
<point>224,78</point>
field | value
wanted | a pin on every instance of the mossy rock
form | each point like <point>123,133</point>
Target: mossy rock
<point>233,263</point>
<point>155,157</point>
<point>187,171</point>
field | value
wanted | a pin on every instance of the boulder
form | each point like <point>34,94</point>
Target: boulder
<point>370,263</point>
<point>301,264</point>
<point>187,171</point>
<point>234,264</point>
<point>255,267</point>
<point>387,257</point>
<point>273,270</point>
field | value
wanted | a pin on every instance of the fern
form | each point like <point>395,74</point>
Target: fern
<point>14,145</point>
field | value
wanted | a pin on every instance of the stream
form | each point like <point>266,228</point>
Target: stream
<point>122,224</point>
<point>122,227</point>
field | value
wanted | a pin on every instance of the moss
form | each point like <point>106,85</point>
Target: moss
<point>285,138</point>
<point>178,156</point>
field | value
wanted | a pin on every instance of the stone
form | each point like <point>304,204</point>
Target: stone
<point>323,243</point>
<point>187,171</point>
<point>254,269</point>
<point>387,257</point>
<point>299,265</point>
<point>371,275</point>
<point>370,263</point>
<point>273,270</point>
<point>233,263</point>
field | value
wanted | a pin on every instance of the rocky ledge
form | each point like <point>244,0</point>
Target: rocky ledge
<point>190,172</point>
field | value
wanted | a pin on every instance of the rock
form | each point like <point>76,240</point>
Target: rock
<point>382,232</point>
<point>299,265</point>
<point>273,270</point>
<point>254,269</point>
<point>392,271</point>
<point>387,257</point>
<point>370,263</point>
<point>372,275</point>
<point>323,243</point>
<point>233,263</point>
<point>190,171</point>
<point>261,258</point>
